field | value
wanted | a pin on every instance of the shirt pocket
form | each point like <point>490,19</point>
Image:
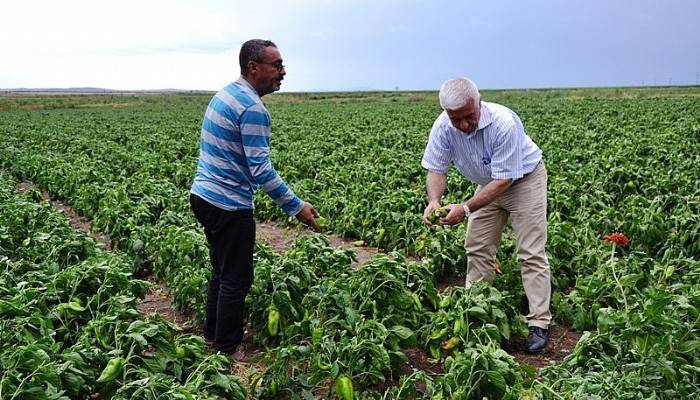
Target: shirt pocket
<point>480,162</point>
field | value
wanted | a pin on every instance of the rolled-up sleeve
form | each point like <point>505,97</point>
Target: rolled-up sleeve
<point>506,159</point>
<point>255,135</point>
<point>438,153</point>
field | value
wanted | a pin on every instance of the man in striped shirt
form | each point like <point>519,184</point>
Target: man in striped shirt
<point>234,160</point>
<point>489,146</point>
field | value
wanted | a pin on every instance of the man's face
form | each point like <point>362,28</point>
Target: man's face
<point>269,71</point>
<point>466,118</point>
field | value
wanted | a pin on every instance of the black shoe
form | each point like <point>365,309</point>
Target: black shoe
<point>214,347</point>
<point>228,350</point>
<point>537,340</point>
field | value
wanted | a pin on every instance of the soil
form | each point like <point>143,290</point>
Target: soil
<point>281,238</point>
<point>419,359</point>
<point>447,282</point>
<point>157,300</point>
<point>248,356</point>
<point>562,341</point>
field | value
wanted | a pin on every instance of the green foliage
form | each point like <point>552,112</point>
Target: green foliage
<point>617,160</point>
<point>69,325</point>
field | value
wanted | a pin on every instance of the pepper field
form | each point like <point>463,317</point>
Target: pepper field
<point>619,160</point>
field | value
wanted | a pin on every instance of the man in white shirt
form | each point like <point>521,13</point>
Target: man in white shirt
<point>489,146</point>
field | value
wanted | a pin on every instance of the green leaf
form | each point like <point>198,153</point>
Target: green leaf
<point>477,311</point>
<point>497,383</point>
<point>402,332</point>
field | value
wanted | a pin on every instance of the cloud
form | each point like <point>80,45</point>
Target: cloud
<point>130,27</point>
<point>146,71</point>
<point>336,44</point>
<point>137,44</point>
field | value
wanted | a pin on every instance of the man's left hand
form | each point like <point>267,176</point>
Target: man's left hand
<point>454,216</point>
<point>307,216</point>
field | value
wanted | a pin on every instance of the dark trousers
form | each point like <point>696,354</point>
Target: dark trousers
<point>231,238</point>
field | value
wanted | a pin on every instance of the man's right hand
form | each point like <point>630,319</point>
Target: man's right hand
<point>433,205</point>
<point>307,216</point>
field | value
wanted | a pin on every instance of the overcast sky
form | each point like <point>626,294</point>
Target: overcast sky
<point>350,45</point>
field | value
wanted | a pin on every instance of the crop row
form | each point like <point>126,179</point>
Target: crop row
<point>69,326</point>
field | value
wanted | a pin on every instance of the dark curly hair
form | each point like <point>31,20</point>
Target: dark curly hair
<point>252,50</point>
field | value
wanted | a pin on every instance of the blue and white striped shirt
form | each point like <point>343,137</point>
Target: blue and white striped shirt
<point>498,149</point>
<point>234,156</point>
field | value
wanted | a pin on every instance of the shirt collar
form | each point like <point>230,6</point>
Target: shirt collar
<point>485,119</point>
<point>242,82</point>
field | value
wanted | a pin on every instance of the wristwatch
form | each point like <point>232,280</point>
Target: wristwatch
<point>467,212</point>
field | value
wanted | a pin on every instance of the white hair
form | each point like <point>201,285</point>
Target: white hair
<point>455,93</point>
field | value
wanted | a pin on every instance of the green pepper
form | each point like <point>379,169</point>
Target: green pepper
<point>70,308</point>
<point>435,352</point>
<point>322,223</point>
<point>317,336</point>
<point>445,301</point>
<point>438,334</point>
<point>435,215</point>
<point>417,305</point>
<point>112,370</point>
<point>379,235</point>
<point>460,326</point>
<point>271,389</point>
<point>273,321</point>
<point>343,388</point>
<point>323,367</point>
<point>432,217</point>
<point>451,343</point>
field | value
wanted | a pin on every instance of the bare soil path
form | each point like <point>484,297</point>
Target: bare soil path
<point>281,238</point>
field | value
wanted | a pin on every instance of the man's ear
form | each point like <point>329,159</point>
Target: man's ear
<point>252,66</point>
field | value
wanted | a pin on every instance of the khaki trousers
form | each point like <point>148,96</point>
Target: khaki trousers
<point>526,203</point>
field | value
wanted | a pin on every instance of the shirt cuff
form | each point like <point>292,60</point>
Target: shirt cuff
<point>432,168</point>
<point>294,207</point>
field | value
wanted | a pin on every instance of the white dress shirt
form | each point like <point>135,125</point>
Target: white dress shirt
<point>498,148</point>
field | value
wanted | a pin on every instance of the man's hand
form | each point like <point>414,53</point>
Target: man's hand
<point>307,216</point>
<point>454,216</point>
<point>433,205</point>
